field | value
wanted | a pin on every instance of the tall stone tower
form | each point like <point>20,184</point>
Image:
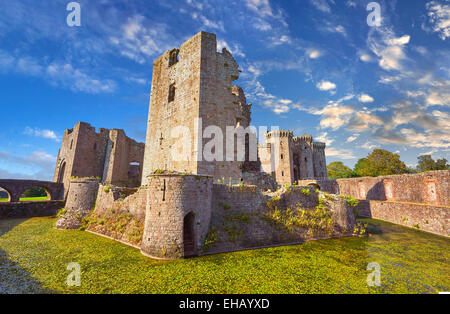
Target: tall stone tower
<point>193,99</point>
<point>289,159</point>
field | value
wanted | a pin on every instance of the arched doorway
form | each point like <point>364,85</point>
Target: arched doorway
<point>62,170</point>
<point>189,235</point>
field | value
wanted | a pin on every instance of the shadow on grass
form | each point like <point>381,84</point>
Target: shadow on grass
<point>13,278</point>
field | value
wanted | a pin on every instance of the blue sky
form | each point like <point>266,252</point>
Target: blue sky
<point>311,66</point>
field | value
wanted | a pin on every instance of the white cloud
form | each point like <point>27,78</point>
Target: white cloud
<point>64,74</point>
<point>399,41</point>
<point>365,98</point>
<point>326,86</point>
<point>369,146</point>
<point>261,7</point>
<point>439,15</point>
<point>321,5</point>
<point>56,73</point>
<point>38,164</point>
<point>140,41</point>
<point>235,49</point>
<point>324,139</point>
<point>48,134</point>
<point>389,48</point>
<point>391,58</point>
<point>335,116</point>
<point>365,57</point>
<point>340,153</point>
<point>314,53</point>
<point>352,138</point>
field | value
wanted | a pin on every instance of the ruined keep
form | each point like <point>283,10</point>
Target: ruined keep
<point>187,204</point>
<point>290,159</point>
<point>109,155</point>
<point>192,89</point>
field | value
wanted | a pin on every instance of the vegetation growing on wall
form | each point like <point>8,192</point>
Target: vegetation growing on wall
<point>117,225</point>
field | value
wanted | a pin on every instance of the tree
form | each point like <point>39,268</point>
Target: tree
<point>337,170</point>
<point>380,163</point>
<point>358,170</point>
<point>35,192</point>
<point>426,163</point>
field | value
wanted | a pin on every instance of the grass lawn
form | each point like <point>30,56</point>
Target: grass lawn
<point>27,199</point>
<point>34,258</point>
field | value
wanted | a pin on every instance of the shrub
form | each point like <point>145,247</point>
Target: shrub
<point>306,192</point>
<point>352,202</point>
<point>211,238</point>
<point>107,189</point>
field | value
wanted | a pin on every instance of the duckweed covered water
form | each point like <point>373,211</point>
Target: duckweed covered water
<point>34,259</point>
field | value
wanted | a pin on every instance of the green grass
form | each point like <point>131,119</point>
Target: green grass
<point>27,199</point>
<point>34,257</point>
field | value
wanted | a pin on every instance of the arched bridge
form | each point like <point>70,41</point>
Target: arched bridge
<point>15,188</point>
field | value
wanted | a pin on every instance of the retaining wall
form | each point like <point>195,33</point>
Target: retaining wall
<point>29,209</point>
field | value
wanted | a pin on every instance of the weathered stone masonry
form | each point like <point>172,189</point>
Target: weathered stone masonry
<point>418,200</point>
<point>109,155</point>
<point>184,203</point>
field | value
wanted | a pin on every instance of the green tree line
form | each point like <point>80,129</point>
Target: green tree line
<point>382,163</point>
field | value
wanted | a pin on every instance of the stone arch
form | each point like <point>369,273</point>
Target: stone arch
<point>8,192</point>
<point>189,235</point>
<point>315,185</point>
<point>47,191</point>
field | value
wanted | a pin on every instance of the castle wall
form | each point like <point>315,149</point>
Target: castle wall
<point>421,199</point>
<point>243,217</point>
<point>29,209</point>
<point>221,105</point>
<point>106,155</point>
<point>119,214</point>
<point>172,199</point>
<point>181,113</point>
<point>423,188</point>
<point>430,218</point>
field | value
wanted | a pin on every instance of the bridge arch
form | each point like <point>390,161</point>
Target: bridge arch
<point>28,193</point>
<point>8,198</point>
<point>16,187</point>
<point>315,185</point>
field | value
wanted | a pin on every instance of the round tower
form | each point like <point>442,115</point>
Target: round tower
<point>178,215</point>
<point>80,202</point>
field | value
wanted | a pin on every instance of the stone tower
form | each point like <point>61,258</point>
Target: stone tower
<point>193,99</point>
<point>107,154</point>
<point>289,159</point>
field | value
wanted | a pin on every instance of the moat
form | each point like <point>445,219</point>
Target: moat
<point>34,258</point>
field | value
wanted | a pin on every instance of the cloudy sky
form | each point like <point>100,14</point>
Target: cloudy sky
<point>310,66</point>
